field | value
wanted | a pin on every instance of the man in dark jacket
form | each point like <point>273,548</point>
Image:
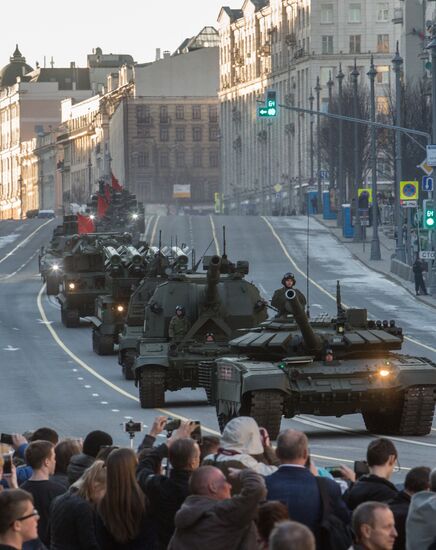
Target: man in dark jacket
<point>279,300</point>
<point>381,456</point>
<point>81,462</point>
<point>166,494</point>
<point>211,518</point>
<point>18,519</point>
<point>417,479</point>
<point>418,269</point>
<point>296,486</point>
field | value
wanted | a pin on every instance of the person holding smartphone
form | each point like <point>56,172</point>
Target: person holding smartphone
<point>8,473</point>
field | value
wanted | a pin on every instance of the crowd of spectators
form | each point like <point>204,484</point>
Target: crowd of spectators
<point>237,492</point>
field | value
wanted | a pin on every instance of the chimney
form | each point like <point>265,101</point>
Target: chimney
<point>72,64</point>
<point>157,54</point>
<point>166,54</point>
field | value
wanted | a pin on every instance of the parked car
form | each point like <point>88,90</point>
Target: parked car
<point>46,214</point>
<point>32,213</point>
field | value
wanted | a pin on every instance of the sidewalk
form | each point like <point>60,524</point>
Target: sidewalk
<point>362,251</point>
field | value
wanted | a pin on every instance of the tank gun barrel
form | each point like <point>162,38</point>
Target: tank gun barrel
<point>213,278</point>
<point>312,341</point>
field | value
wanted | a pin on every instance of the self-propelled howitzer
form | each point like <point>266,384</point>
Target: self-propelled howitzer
<point>326,367</point>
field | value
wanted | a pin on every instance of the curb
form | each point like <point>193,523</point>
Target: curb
<point>388,276</point>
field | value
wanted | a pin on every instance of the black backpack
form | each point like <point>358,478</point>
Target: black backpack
<point>334,534</point>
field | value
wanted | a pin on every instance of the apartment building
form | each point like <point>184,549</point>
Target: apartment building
<point>284,45</point>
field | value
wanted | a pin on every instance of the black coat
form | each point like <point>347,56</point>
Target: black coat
<point>370,487</point>
<point>72,523</point>
<point>165,494</point>
<point>400,507</point>
<point>78,464</point>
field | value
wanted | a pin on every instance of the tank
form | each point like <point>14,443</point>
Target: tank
<point>284,368</point>
<point>84,273</point>
<point>218,303</point>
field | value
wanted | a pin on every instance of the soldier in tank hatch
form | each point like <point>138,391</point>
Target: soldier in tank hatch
<point>279,298</point>
<point>179,325</point>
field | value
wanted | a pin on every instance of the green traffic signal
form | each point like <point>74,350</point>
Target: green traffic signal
<point>429,217</point>
<point>270,109</point>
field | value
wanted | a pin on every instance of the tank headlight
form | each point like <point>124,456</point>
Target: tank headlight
<point>55,267</point>
<point>384,372</point>
<point>92,217</point>
<point>120,309</point>
<point>71,286</point>
<point>135,216</point>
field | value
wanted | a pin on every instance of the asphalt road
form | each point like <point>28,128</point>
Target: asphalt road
<point>50,376</point>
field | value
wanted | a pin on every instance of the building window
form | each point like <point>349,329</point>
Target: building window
<point>197,133</point>
<point>383,43</point>
<point>383,105</point>
<point>354,13</point>
<point>196,112</point>
<point>163,114</point>
<point>355,43</point>
<point>180,159</point>
<point>214,158</point>
<point>197,159</point>
<point>180,133</point>
<point>143,114</point>
<point>327,44</point>
<point>180,112</point>
<point>164,159</point>
<point>383,12</point>
<point>213,133</point>
<point>213,113</point>
<point>164,133</point>
<point>326,13</point>
<point>143,159</point>
<point>382,76</point>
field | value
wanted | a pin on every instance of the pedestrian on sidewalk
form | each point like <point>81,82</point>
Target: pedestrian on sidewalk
<point>418,268</point>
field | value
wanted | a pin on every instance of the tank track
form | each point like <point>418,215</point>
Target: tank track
<point>266,407</point>
<point>413,415</point>
<point>152,387</point>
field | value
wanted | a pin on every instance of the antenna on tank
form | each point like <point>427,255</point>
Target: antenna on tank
<point>224,243</point>
<point>340,308</point>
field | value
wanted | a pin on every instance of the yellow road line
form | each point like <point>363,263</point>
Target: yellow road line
<point>217,246</point>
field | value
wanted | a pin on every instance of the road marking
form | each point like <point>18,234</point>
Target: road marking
<point>3,278</point>
<point>217,246</point>
<point>319,287</point>
<point>24,241</point>
<point>153,233</point>
<point>147,226</point>
<point>10,348</point>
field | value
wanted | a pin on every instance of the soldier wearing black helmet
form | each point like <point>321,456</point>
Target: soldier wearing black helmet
<point>179,325</point>
<point>279,299</point>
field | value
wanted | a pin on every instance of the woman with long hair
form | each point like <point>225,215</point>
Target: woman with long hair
<point>122,521</point>
<point>64,450</point>
<point>73,514</point>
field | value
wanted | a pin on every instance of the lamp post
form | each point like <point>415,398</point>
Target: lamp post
<point>340,77</point>
<point>330,85</point>
<point>432,47</point>
<point>397,62</point>
<point>356,172</point>
<point>20,190</point>
<point>89,176</point>
<point>318,143</point>
<point>311,100</point>
<point>375,243</point>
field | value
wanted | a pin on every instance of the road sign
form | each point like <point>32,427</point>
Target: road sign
<point>365,190</point>
<point>427,255</point>
<point>427,183</point>
<point>425,167</point>
<point>409,190</point>
<point>277,187</point>
<point>431,155</point>
<point>408,204</point>
<point>323,174</point>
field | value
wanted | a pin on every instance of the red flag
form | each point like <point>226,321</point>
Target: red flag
<point>116,184</point>
<point>85,224</point>
<point>107,192</point>
<point>102,206</point>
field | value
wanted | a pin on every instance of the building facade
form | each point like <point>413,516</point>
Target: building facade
<point>284,45</point>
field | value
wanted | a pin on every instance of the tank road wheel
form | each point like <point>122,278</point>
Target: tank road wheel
<point>102,344</point>
<point>413,415</point>
<point>266,407</point>
<point>152,387</point>
<point>52,287</point>
<point>128,359</point>
<point>70,317</point>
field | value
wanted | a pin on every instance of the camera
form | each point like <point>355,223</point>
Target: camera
<point>6,439</point>
<point>174,423</point>
<point>132,427</point>
<point>7,464</point>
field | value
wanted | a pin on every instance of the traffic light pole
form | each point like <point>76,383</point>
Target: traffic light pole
<point>432,234</point>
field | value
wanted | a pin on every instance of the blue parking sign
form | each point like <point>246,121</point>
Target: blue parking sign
<point>427,183</point>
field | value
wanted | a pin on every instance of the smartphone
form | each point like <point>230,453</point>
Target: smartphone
<point>361,468</point>
<point>196,434</point>
<point>334,470</point>
<point>6,439</point>
<point>7,464</point>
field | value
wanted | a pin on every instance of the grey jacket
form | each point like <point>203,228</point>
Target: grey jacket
<point>420,523</point>
<point>203,522</point>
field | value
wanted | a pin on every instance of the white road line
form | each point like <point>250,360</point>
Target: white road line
<point>322,289</point>
<point>153,233</point>
<point>147,227</point>
<point>24,241</point>
<point>217,246</point>
<point>5,277</point>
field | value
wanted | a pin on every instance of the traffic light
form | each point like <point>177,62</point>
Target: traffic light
<point>270,109</point>
<point>429,214</point>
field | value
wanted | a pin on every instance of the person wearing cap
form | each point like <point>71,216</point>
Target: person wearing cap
<point>179,325</point>
<point>279,299</point>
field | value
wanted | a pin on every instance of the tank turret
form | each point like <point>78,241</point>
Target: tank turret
<point>313,343</point>
<point>211,297</point>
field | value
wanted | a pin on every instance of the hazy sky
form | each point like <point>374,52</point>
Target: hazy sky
<point>68,31</point>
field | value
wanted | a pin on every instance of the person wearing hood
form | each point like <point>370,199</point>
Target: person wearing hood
<point>420,523</point>
<point>244,445</point>
<point>91,446</point>
<point>211,518</point>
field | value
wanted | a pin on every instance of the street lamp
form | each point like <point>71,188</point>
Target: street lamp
<point>20,190</point>
<point>318,142</point>
<point>397,62</point>
<point>340,77</point>
<point>357,226</point>
<point>330,85</point>
<point>375,243</point>
<point>89,177</point>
